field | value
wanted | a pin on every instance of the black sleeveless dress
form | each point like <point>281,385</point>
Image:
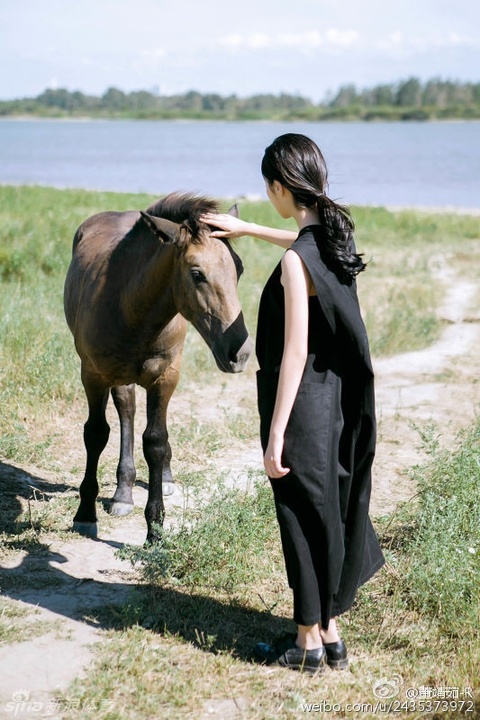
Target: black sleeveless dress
<point>328,541</point>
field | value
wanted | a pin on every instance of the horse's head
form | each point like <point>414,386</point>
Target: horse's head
<point>204,285</point>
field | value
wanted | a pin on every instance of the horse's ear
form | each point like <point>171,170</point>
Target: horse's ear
<point>233,210</point>
<point>165,230</point>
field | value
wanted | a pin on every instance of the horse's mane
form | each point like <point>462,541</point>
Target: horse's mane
<point>184,208</point>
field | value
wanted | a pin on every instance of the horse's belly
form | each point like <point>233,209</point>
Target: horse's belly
<point>112,370</point>
<point>151,369</point>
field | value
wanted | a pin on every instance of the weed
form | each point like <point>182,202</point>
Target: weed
<point>432,578</point>
<point>443,576</point>
<point>11,630</point>
<point>222,545</point>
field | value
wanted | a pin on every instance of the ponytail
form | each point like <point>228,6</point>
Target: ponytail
<point>337,240</point>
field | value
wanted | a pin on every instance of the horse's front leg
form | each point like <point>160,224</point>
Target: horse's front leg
<point>95,434</point>
<point>124,400</point>
<point>156,449</point>
<point>168,483</point>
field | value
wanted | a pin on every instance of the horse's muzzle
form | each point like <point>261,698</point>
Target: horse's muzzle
<point>238,363</point>
<point>231,347</point>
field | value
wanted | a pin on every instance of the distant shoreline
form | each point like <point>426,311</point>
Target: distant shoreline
<point>406,100</point>
<point>340,121</point>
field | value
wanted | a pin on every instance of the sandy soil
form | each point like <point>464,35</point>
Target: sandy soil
<point>64,591</point>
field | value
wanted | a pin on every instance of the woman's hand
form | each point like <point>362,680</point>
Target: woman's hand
<point>229,226</point>
<point>273,458</point>
<point>232,228</point>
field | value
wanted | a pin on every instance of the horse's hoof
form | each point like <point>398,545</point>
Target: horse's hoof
<point>119,508</point>
<point>87,529</point>
<point>168,488</point>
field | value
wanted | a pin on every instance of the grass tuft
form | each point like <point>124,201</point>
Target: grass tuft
<point>225,544</point>
<point>443,576</point>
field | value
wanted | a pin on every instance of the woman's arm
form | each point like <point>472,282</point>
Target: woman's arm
<point>232,227</point>
<point>296,282</point>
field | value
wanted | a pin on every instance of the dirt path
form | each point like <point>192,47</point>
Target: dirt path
<point>438,386</point>
<point>64,592</point>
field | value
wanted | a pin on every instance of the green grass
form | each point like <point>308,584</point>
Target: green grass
<point>37,359</point>
<point>17,623</point>
<point>39,369</point>
<point>443,577</point>
<point>217,584</point>
<point>211,545</point>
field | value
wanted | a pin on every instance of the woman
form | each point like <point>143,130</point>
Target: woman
<point>316,403</point>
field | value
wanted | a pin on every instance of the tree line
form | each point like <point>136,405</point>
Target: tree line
<point>408,99</point>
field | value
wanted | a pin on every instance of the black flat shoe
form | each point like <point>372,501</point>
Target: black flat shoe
<point>336,655</point>
<point>285,652</point>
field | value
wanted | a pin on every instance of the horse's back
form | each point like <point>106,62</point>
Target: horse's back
<point>101,233</point>
<point>93,244</point>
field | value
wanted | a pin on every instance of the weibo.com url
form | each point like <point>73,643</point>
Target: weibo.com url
<point>391,707</point>
<point>390,701</point>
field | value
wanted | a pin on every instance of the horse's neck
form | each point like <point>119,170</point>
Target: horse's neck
<point>149,286</point>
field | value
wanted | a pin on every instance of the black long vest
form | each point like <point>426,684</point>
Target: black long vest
<point>328,541</point>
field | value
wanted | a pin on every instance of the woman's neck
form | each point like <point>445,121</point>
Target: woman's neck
<point>306,216</point>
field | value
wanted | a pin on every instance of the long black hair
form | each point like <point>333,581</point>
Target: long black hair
<point>297,163</point>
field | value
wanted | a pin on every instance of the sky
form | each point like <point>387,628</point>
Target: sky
<point>305,47</point>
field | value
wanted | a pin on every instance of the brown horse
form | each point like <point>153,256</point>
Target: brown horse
<point>134,281</point>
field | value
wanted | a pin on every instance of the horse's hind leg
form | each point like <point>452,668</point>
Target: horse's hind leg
<point>124,399</point>
<point>95,434</point>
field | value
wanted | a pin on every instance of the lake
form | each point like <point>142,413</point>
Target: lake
<point>393,164</point>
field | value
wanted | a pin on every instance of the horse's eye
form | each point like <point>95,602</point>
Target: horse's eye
<point>197,276</point>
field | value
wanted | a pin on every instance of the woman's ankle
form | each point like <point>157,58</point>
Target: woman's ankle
<point>308,637</point>
<point>331,635</point>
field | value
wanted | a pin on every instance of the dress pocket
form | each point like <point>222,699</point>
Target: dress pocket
<point>312,437</point>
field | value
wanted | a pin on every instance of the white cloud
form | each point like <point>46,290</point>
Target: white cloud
<point>343,38</point>
<point>259,41</point>
<point>154,55</point>
<point>252,41</point>
<point>232,42</point>
<point>289,39</point>
<point>401,41</point>
<point>304,40</point>
<point>312,39</point>
<point>456,39</point>
<point>396,38</point>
